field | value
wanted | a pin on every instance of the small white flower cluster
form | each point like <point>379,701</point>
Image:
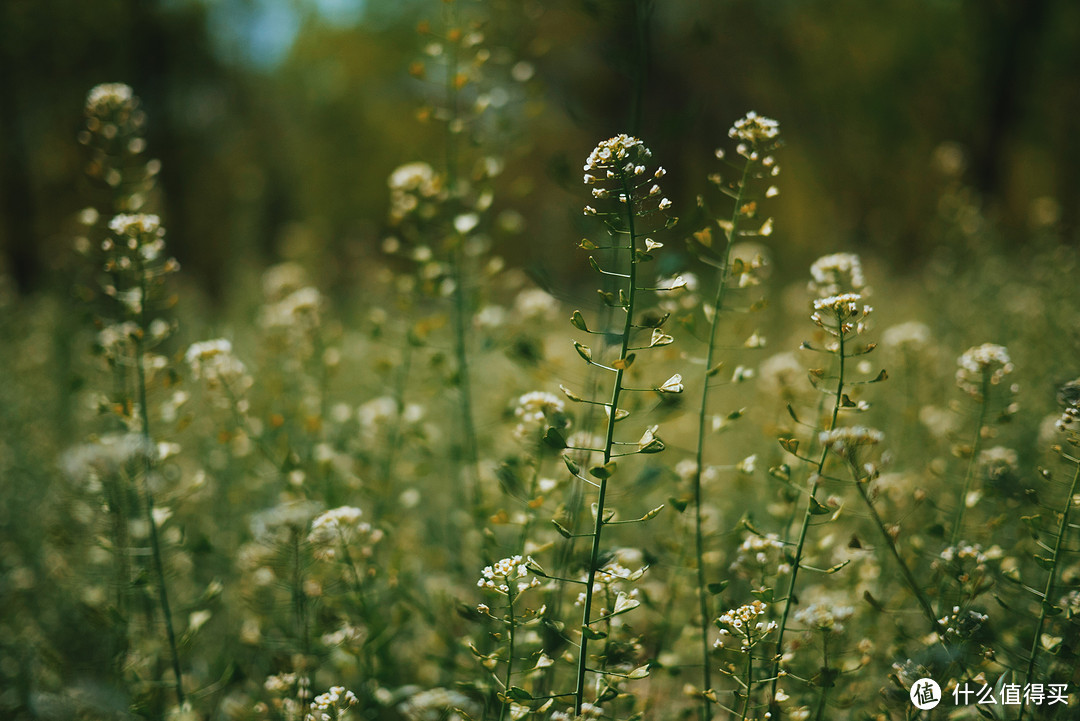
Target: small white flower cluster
<point>438,704</point>
<point>106,99</point>
<point>588,711</point>
<point>962,624</point>
<point>106,456</point>
<point>981,364</point>
<point>755,129</point>
<point>413,188</point>
<point>827,617</point>
<point>744,621</point>
<point>214,362</point>
<point>837,274</point>
<point>909,336</point>
<point>964,553</point>
<point>332,705</point>
<point>621,162</point>
<point>341,526</point>
<point>609,581</point>
<point>844,440</point>
<point>999,463</point>
<point>498,576</point>
<point>844,314</point>
<point>536,410</point>
<point>297,311</point>
<point>760,554</point>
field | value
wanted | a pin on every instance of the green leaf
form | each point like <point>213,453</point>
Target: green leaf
<point>791,445</point>
<point>570,394</point>
<point>624,363</point>
<point>587,244</point>
<point>518,694</point>
<point>1044,563</point>
<point>717,588</point>
<point>791,412</point>
<point>639,672</point>
<point>571,465</point>
<point>817,508</point>
<point>680,506</point>
<point>554,438</point>
<point>594,264</point>
<point>592,634</point>
<point>584,351</point>
<point>882,376</point>
<point>781,472</point>
<point>578,321</point>
<point>714,370</point>
<point>562,531</point>
<point>765,595</point>
<point>1050,609</point>
<point>604,471</point>
<point>653,513</point>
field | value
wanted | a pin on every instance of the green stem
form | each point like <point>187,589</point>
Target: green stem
<point>699,539</point>
<point>155,545</point>
<point>973,462</point>
<point>598,526</point>
<point>808,516</point>
<point>749,682</point>
<point>510,654</point>
<point>1049,589</point>
<point>820,713</point>
<point>471,487</point>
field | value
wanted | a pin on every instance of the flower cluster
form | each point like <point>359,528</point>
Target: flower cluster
<point>332,705</point>
<point>617,168</point>
<point>825,617</point>
<point>755,129</point>
<point>415,188</point>
<point>962,624</point>
<point>133,259</point>
<point>537,410</point>
<point>840,315</point>
<point>987,363</point>
<point>610,580</point>
<point>341,526</point>
<point>500,575</point>
<point>844,440</point>
<point>759,555</point>
<point>837,274</point>
<point>214,362</point>
<point>912,336</point>
<point>744,621</point>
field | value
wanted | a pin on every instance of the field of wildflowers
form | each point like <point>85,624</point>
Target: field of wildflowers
<point>676,484</point>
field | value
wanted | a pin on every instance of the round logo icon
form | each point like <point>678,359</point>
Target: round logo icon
<point>925,694</point>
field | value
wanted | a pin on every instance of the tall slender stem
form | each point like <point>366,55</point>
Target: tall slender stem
<point>808,515</point>
<point>1049,588</point>
<point>973,461</point>
<point>598,525</point>
<point>510,647</point>
<point>148,467</point>
<point>703,412</point>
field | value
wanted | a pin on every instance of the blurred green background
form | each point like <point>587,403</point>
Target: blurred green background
<point>277,121</point>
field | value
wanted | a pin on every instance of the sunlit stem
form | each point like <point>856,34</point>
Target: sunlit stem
<point>510,649</point>
<point>1049,588</point>
<point>974,460</point>
<point>703,412</point>
<point>148,468</point>
<point>808,516</point>
<point>598,526</point>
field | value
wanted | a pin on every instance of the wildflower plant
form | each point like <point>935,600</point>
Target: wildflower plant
<point>1056,530</point>
<point>757,139</point>
<point>625,185</point>
<point>135,270</point>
